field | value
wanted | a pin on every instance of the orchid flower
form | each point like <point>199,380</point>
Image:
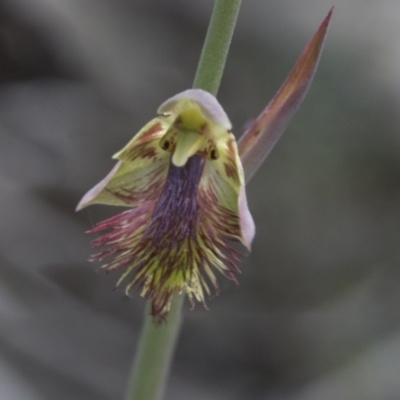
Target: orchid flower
<point>182,178</point>
<point>184,184</point>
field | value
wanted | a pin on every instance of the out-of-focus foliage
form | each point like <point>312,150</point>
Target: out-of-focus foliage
<point>316,315</point>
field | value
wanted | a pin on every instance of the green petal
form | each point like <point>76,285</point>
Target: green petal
<point>225,179</point>
<point>140,172</point>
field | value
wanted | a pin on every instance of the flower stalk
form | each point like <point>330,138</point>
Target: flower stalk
<point>154,354</point>
<point>216,45</point>
<point>157,343</point>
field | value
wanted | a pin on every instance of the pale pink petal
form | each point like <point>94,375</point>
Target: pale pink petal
<point>247,226</point>
<point>209,105</point>
<point>97,189</point>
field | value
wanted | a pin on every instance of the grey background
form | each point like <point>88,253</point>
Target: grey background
<point>316,315</point>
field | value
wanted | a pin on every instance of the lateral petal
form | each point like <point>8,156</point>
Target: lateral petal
<point>140,172</point>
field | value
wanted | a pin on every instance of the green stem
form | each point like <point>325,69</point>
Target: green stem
<point>154,355</point>
<point>216,46</point>
<point>157,343</point>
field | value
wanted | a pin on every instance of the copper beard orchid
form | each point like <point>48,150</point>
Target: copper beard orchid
<point>182,178</point>
<point>183,181</point>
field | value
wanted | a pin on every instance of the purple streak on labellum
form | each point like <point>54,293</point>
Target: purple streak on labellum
<point>176,215</point>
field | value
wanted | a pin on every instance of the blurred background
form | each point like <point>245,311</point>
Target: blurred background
<point>317,312</point>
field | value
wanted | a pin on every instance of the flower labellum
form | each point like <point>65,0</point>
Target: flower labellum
<point>183,182</point>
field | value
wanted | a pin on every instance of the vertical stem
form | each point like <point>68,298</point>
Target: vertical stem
<point>157,343</point>
<point>154,355</point>
<point>216,46</point>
